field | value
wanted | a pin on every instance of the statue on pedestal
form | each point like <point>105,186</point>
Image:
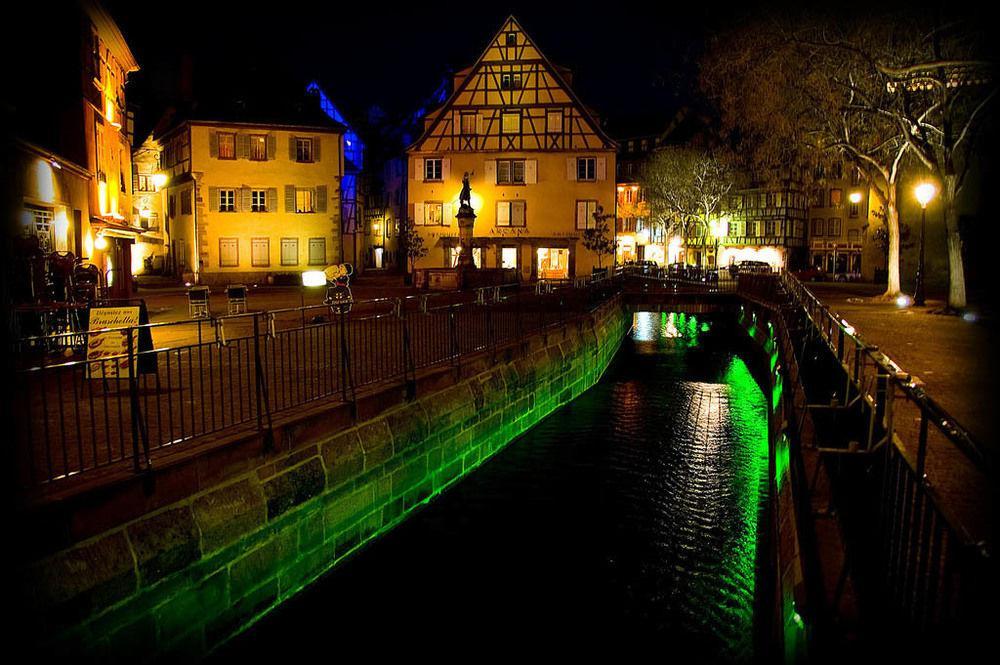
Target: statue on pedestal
<point>465,197</point>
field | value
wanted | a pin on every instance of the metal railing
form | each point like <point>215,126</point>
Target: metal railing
<point>927,562</point>
<point>229,372</point>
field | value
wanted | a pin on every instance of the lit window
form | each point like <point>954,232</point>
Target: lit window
<point>586,168</point>
<point>433,213</point>
<point>227,200</point>
<point>258,148</point>
<point>510,81</point>
<point>303,200</point>
<point>433,168</point>
<point>258,200</point>
<point>303,150</point>
<point>836,198</point>
<point>508,257</point>
<point>511,122</point>
<point>227,146</point>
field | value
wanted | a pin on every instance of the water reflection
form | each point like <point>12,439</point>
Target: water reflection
<point>626,520</point>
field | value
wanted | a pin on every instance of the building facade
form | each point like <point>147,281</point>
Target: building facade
<point>251,202</point>
<point>71,164</point>
<point>842,224</point>
<point>150,253</point>
<point>539,165</point>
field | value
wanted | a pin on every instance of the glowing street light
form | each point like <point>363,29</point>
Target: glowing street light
<point>924,192</point>
<point>855,197</point>
<point>159,180</point>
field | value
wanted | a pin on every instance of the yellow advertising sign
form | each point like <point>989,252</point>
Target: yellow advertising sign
<point>108,351</point>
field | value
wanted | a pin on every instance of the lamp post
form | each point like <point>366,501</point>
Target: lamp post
<point>718,229</point>
<point>925,191</point>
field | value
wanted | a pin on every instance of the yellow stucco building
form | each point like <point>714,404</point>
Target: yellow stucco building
<point>252,202</point>
<point>539,165</point>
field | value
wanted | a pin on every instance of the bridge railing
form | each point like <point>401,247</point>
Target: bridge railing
<point>933,551</point>
<point>83,415</point>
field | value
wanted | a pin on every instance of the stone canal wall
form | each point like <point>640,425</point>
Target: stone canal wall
<point>185,577</point>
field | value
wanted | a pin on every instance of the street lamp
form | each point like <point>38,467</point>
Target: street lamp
<point>718,229</point>
<point>925,191</point>
<point>855,197</point>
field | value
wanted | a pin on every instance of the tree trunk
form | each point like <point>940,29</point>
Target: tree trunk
<point>956,267</point>
<point>892,225</point>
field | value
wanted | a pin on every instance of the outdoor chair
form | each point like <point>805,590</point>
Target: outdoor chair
<point>198,302</point>
<point>237,295</point>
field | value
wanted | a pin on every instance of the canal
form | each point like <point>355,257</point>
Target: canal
<point>625,520</point>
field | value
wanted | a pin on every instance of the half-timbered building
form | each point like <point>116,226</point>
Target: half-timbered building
<point>538,162</point>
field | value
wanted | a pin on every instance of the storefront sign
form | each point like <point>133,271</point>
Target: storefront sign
<point>106,342</point>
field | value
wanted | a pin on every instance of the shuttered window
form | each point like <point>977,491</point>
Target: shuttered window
<point>469,124</point>
<point>303,200</point>
<point>511,122</point>
<point>227,145</point>
<point>303,150</point>
<point>510,213</point>
<point>433,213</point>
<point>260,251</point>
<point>433,169</point>
<point>554,122</point>
<point>510,171</point>
<point>229,252</point>
<point>585,214</point>
<point>227,200</point>
<point>258,200</point>
<point>317,251</point>
<point>258,147</point>
<point>289,251</point>
<point>586,168</point>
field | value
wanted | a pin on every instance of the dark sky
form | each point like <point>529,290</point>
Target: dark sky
<point>631,62</point>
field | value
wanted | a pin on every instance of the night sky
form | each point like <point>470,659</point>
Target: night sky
<point>634,65</point>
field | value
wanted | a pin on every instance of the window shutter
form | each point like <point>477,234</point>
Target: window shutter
<point>244,202</point>
<point>571,168</point>
<point>479,124</point>
<point>503,213</point>
<point>445,169</point>
<point>418,168</point>
<point>292,154</point>
<point>242,146</point>
<point>530,171</point>
<point>602,168</point>
<point>490,169</point>
<point>213,144</point>
<point>272,146</point>
<point>272,199</point>
<point>418,213</point>
<point>289,198</point>
<point>581,214</point>
<point>517,213</point>
<point>446,214</point>
<point>321,197</point>
<point>213,198</point>
<point>316,144</point>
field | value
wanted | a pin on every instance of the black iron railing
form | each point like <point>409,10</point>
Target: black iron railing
<point>220,374</point>
<point>928,555</point>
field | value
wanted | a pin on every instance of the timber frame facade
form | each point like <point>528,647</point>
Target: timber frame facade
<point>538,162</point>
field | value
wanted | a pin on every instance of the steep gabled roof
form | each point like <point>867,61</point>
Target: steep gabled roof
<point>559,73</point>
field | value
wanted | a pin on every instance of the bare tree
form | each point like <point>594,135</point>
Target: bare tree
<point>598,238</point>
<point>798,90</point>
<point>685,186</point>
<point>413,244</point>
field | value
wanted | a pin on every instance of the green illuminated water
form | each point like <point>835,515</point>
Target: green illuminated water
<point>626,520</point>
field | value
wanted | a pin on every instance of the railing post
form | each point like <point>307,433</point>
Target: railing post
<point>133,395</point>
<point>409,367</point>
<point>263,403</point>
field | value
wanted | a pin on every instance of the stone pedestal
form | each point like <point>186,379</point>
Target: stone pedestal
<point>466,221</point>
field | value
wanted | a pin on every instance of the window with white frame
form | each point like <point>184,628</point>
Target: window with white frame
<point>819,228</point>
<point>260,251</point>
<point>229,252</point>
<point>586,168</point>
<point>834,226</point>
<point>511,213</point>
<point>303,200</point>
<point>433,168</point>
<point>510,171</point>
<point>317,251</point>
<point>303,149</point>
<point>289,251</point>
<point>511,122</point>
<point>258,200</point>
<point>510,81</point>
<point>227,200</point>
<point>585,214</point>
<point>508,257</point>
